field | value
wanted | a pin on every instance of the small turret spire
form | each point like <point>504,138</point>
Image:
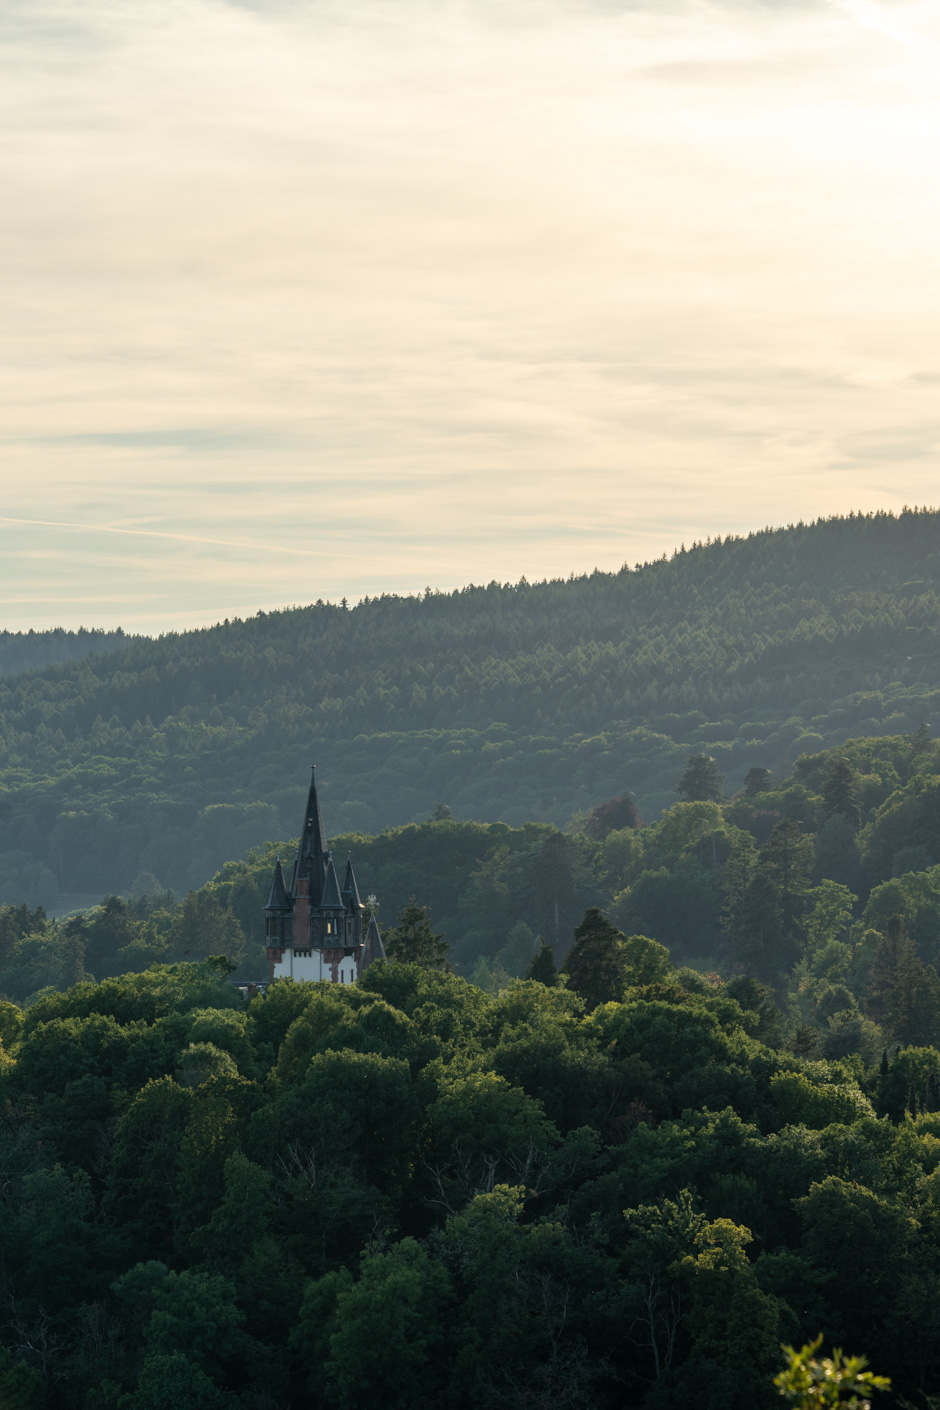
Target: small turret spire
<point>331,900</point>
<point>277,896</point>
<point>350,889</point>
<point>373,949</point>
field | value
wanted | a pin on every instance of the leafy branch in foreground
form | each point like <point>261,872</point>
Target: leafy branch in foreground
<point>808,1381</point>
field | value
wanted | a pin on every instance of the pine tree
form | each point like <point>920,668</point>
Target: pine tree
<point>596,967</point>
<point>542,967</point>
<point>413,941</point>
<point>701,782</point>
<point>920,739</point>
<point>903,992</point>
<point>840,791</point>
<point>786,860</point>
<point>551,889</point>
<point>73,960</point>
<point>752,916</point>
<point>882,977</point>
<point>756,781</point>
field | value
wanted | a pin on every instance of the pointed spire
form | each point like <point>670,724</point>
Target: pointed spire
<point>277,896</point>
<point>350,889</point>
<point>372,949</point>
<point>311,855</point>
<point>330,900</point>
<point>313,836</point>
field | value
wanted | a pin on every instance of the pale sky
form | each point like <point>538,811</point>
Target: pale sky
<point>313,298</point>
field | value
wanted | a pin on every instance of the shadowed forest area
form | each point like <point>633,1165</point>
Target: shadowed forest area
<point>510,702</point>
<point>821,887</point>
<point>412,1192</point>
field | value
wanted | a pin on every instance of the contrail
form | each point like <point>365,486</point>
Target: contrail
<point>874,16</point>
<point>181,538</point>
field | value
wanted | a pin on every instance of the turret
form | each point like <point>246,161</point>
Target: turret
<point>329,923</point>
<point>353,905</point>
<point>278,923</point>
<point>373,949</point>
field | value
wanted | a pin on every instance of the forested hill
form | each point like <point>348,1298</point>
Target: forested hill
<point>26,651</point>
<point>514,702</point>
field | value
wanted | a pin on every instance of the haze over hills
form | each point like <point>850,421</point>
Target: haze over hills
<point>24,651</point>
<point>514,702</point>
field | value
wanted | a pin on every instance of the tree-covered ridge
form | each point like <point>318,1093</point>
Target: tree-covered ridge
<point>512,701</point>
<point>32,650</point>
<point>822,886</point>
<point>409,1192</point>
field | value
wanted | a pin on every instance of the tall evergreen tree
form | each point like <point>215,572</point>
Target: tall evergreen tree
<point>542,967</point>
<point>551,890</point>
<point>786,860</point>
<point>903,992</point>
<point>840,791</point>
<point>414,942</point>
<point>596,967</point>
<point>701,782</point>
<point>756,781</point>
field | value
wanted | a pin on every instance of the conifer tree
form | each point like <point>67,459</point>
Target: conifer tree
<point>903,992</point>
<point>414,942</point>
<point>596,967</point>
<point>756,781</point>
<point>551,889</point>
<point>701,782</point>
<point>840,791</point>
<point>542,967</point>
<point>786,860</point>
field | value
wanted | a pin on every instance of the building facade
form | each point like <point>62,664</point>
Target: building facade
<point>313,926</point>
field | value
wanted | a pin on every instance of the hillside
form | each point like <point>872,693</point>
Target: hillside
<point>793,882</point>
<point>513,702</point>
<point>610,1186</point>
<point>26,651</point>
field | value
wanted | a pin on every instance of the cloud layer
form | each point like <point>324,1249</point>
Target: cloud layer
<point>316,298</point>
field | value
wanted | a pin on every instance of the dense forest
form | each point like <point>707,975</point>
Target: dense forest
<point>628,1105</point>
<point>25,651</point>
<point>525,702</point>
<point>617,1188</point>
<point>795,882</point>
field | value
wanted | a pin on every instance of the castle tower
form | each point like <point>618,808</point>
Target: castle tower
<point>313,928</point>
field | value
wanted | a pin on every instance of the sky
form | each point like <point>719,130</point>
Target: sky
<point>308,299</point>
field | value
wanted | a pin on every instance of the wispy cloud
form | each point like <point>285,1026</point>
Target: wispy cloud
<point>247,547</point>
<point>315,297</point>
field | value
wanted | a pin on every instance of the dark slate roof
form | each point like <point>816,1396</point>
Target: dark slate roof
<point>350,889</point>
<point>330,900</point>
<point>277,896</point>
<point>311,856</point>
<point>373,949</point>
